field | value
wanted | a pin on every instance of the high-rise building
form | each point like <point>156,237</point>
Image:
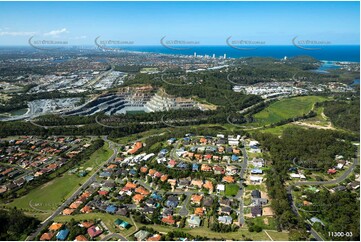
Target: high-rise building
<point>224,56</point>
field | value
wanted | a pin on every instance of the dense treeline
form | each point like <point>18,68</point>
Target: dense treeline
<point>15,225</point>
<point>114,126</point>
<point>259,69</point>
<point>344,114</point>
<point>318,146</point>
<point>339,211</point>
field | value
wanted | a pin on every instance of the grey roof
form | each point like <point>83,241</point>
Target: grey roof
<point>141,234</point>
<point>225,201</point>
<point>256,194</point>
<point>226,209</point>
<point>259,201</point>
<point>225,219</point>
<point>316,220</point>
<point>257,210</point>
<point>208,201</point>
<point>194,220</point>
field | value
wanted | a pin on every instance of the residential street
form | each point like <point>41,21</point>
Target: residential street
<point>91,179</point>
<point>312,183</point>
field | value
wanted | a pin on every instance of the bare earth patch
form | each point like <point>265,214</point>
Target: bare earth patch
<point>264,195</point>
<point>267,211</point>
<point>314,126</point>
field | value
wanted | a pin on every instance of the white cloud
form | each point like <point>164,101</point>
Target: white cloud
<point>56,32</point>
<point>7,33</point>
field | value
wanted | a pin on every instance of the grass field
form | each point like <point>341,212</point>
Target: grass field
<point>232,189</point>
<point>260,221</point>
<point>278,235</point>
<point>49,196</point>
<point>278,130</point>
<point>286,108</point>
<point>202,231</point>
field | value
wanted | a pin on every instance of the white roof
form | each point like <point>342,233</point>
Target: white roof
<point>220,187</point>
<point>253,142</point>
<point>255,178</point>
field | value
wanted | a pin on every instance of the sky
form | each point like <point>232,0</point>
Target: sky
<point>205,23</point>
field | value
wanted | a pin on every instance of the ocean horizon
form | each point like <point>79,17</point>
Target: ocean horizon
<point>347,53</point>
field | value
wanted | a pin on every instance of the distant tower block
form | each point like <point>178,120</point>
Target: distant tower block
<point>224,56</point>
<point>214,56</point>
<point>195,54</point>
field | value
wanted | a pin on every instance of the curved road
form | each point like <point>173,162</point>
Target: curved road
<point>314,183</point>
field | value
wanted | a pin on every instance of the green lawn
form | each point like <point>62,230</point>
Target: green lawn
<point>278,130</point>
<point>232,189</point>
<point>49,196</point>
<point>254,187</point>
<point>202,231</point>
<point>260,221</point>
<point>278,236</point>
<point>286,108</point>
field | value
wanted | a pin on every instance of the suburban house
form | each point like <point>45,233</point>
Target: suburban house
<point>314,220</point>
<point>137,198</point>
<point>172,202</point>
<point>256,211</point>
<point>228,179</point>
<point>208,185</point>
<point>46,236</point>
<point>208,201</point>
<point>196,199</point>
<point>194,221</point>
<point>258,162</point>
<point>141,235</point>
<point>155,237</point>
<point>256,171</point>
<point>256,179</point>
<point>62,234</point>
<point>225,219</point>
<point>331,171</point>
<point>94,231</point>
<point>225,210</point>
<point>197,183</point>
<point>80,238</point>
<point>121,224</point>
<point>168,220</point>
<point>184,182</point>
<point>199,211</point>
<point>220,188</point>
<point>225,202</point>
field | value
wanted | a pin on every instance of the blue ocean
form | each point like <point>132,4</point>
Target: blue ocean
<point>329,53</point>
